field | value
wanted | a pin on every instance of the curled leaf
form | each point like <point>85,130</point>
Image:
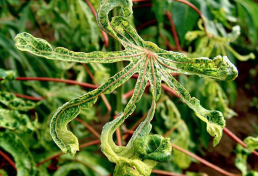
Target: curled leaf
<point>153,64</point>
<point>153,147</point>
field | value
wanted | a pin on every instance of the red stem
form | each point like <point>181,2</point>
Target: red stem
<point>146,24</point>
<point>8,159</point>
<point>160,172</point>
<point>105,37</point>
<point>48,159</point>
<point>104,98</point>
<point>29,97</point>
<point>88,127</point>
<point>89,144</point>
<point>168,89</point>
<point>204,161</point>
<point>190,5</point>
<point>118,135</point>
<point>142,5</point>
<point>140,0</point>
<point>87,85</point>
<point>174,32</point>
<point>197,11</point>
<point>235,138</point>
<point>61,153</point>
<point>130,93</point>
<point>131,130</point>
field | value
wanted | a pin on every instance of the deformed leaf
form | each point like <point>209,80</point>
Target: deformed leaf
<point>241,161</point>
<point>216,43</point>
<point>252,143</point>
<point>24,161</point>
<point>168,112</point>
<point>152,64</point>
<point>14,120</point>
<point>14,103</point>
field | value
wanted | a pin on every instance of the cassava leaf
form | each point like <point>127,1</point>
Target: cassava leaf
<point>136,158</point>
<point>169,114</point>
<point>241,161</point>
<point>152,64</point>
<point>13,120</point>
<point>24,161</point>
<point>252,143</point>
<point>14,103</point>
<point>7,74</point>
<point>218,43</point>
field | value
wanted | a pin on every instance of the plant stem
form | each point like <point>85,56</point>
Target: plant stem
<point>130,131</point>
<point>160,172</point>
<point>146,24</point>
<point>89,144</point>
<point>29,97</point>
<point>119,90</point>
<point>190,5</point>
<point>173,29</point>
<point>87,85</point>
<point>105,37</point>
<point>8,159</point>
<point>88,127</point>
<point>235,138</point>
<point>89,166</point>
<point>61,153</point>
<point>104,98</point>
<point>204,161</point>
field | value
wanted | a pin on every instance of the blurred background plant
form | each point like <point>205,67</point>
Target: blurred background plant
<point>29,95</point>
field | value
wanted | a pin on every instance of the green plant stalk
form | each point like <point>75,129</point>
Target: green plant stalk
<point>118,67</point>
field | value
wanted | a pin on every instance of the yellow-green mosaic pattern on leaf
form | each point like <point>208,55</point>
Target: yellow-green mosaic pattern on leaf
<point>23,159</point>
<point>13,120</point>
<point>135,159</point>
<point>14,103</point>
<point>152,64</point>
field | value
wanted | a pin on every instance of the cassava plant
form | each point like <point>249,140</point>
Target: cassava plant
<point>153,65</point>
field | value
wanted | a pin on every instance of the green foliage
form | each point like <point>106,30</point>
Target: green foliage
<point>71,24</point>
<point>24,161</point>
<point>168,118</point>
<point>241,161</point>
<point>252,143</point>
<point>13,120</point>
<point>153,64</point>
<point>14,103</point>
<point>7,74</point>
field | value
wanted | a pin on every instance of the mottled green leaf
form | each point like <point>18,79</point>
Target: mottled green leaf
<point>14,103</point>
<point>216,43</point>
<point>241,161</point>
<point>23,159</point>
<point>14,120</point>
<point>216,98</point>
<point>180,136</point>
<point>153,65</point>
<point>7,74</point>
<point>252,143</point>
